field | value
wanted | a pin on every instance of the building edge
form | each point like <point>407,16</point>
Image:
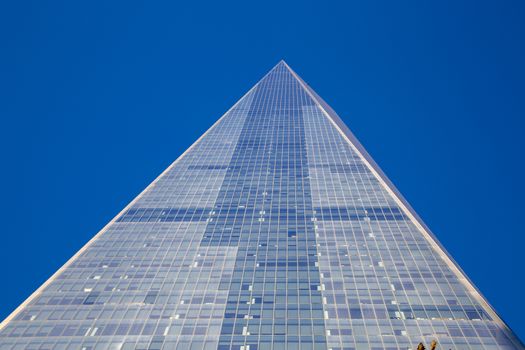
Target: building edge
<point>343,129</point>
<point>41,288</point>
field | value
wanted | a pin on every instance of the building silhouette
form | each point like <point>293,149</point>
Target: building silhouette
<point>275,230</point>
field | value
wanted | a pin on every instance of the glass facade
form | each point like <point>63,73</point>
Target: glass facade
<point>275,230</point>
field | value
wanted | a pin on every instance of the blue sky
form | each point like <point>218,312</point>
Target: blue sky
<point>97,98</point>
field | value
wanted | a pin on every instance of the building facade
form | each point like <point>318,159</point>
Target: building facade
<point>275,230</point>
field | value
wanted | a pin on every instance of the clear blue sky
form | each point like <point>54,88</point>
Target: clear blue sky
<point>97,98</point>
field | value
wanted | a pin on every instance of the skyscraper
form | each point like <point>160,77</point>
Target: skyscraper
<point>275,230</point>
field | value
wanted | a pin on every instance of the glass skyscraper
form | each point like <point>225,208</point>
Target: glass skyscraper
<point>275,230</point>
